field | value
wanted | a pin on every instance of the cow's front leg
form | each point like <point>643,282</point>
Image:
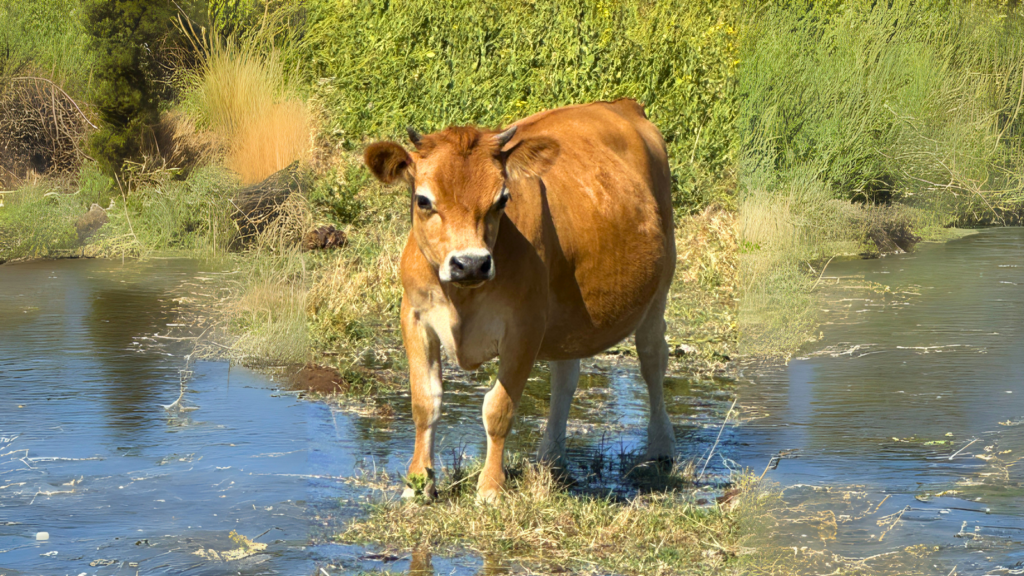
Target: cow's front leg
<point>423,349</point>
<point>499,411</point>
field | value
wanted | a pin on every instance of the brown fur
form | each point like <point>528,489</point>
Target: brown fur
<point>583,255</point>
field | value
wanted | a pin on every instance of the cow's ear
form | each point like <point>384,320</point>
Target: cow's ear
<point>531,157</point>
<point>388,162</point>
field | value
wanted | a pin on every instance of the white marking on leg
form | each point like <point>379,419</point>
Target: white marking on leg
<point>652,350</point>
<point>565,376</point>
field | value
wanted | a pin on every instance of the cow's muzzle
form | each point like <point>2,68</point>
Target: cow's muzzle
<point>467,268</point>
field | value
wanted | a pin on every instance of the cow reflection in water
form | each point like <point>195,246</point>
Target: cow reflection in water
<point>421,565</point>
<point>552,240</point>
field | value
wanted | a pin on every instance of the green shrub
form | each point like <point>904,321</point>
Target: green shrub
<point>378,66</point>
<point>126,37</point>
<point>48,37</point>
<point>163,213</point>
<point>38,221</point>
<point>337,190</point>
<point>902,101</point>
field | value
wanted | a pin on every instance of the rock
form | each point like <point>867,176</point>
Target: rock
<point>324,237</point>
<point>90,222</point>
<point>257,206</point>
<point>684,349</point>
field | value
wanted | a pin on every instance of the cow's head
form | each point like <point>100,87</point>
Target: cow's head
<point>460,179</point>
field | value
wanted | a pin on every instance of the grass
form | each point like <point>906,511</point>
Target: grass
<point>240,94</point>
<point>376,68</point>
<point>49,35</point>
<point>702,306</point>
<point>543,526</point>
<point>861,117</point>
<point>37,221</point>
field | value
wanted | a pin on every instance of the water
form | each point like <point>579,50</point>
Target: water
<point>90,355</point>
<point>902,432</point>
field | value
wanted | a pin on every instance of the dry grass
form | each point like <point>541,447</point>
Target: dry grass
<point>270,142</point>
<point>542,526</point>
<point>242,96</point>
<point>181,143</point>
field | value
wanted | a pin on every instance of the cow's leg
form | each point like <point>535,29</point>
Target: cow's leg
<point>499,411</point>
<point>653,352</point>
<point>423,349</point>
<point>565,375</point>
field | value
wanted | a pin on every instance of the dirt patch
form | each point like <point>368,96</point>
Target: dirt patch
<point>318,379</point>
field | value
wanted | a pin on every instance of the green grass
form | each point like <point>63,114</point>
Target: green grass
<point>164,212</point>
<point>38,221</point>
<point>913,102</point>
<point>375,68</point>
<point>541,525</point>
<point>859,116</point>
<point>46,37</point>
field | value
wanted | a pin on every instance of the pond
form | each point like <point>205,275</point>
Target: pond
<point>901,434</point>
<point>95,453</point>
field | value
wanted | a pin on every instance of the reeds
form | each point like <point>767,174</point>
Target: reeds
<point>242,95</point>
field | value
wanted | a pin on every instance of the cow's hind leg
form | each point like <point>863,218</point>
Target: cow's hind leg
<point>653,352</point>
<point>565,375</point>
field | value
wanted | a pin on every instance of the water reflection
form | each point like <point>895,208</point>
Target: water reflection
<point>88,454</point>
<point>905,405</point>
<point>134,380</point>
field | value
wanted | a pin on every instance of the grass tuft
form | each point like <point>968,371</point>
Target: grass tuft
<point>241,94</point>
<point>541,525</point>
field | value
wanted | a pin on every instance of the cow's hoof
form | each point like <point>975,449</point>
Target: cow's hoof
<point>420,485</point>
<point>488,489</point>
<point>488,496</point>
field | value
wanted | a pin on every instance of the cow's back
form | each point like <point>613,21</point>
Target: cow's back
<point>601,218</point>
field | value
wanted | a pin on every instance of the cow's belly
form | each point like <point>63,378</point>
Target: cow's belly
<point>602,297</point>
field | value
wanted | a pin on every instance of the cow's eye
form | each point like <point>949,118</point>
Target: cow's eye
<point>423,203</point>
<point>502,201</point>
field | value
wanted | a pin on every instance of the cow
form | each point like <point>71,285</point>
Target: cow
<point>551,239</point>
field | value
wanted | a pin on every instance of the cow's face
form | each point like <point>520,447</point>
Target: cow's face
<point>460,187</point>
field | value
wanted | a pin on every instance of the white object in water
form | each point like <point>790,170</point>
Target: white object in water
<point>42,535</point>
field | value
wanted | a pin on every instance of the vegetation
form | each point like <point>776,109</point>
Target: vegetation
<point>269,84</point>
<point>862,120</point>
<point>547,528</point>
<point>125,38</point>
<point>378,67</point>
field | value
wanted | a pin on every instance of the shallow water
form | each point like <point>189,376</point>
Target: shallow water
<point>901,432</point>
<point>90,454</point>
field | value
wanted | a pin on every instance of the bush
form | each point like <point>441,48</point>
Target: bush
<point>38,221</point>
<point>240,94</point>
<point>47,36</point>
<point>126,37</point>
<point>377,67</point>
<point>916,102</point>
<point>163,213</point>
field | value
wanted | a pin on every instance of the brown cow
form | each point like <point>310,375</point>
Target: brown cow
<point>550,240</point>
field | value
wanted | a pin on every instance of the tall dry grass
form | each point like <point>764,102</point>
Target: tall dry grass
<point>242,95</point>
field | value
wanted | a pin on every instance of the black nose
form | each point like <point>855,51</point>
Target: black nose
<point>474,268</point>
